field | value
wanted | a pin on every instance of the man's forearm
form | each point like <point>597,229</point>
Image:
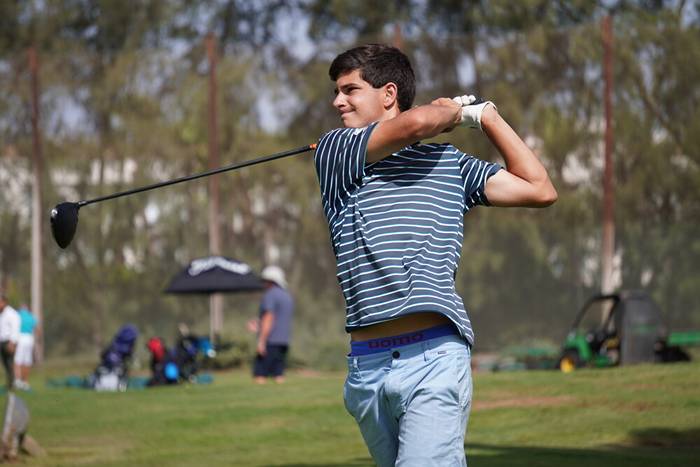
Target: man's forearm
<point>519,158</point>
<point>432,119</point>
<point>409,127</point>
<point>525,182</point>
<point>265,327</point>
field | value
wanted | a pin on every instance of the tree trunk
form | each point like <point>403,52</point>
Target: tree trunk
<point>216,301</point>
<point>37,210</point>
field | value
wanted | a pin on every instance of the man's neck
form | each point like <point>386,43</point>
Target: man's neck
<point>388,114</point>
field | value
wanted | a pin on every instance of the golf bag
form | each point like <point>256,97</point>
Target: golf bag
<point>181,363</point>
<point>164,368</point>
<point>186,352</point>
<point>112,373</point>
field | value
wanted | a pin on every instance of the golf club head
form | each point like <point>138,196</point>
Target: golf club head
<point>64,222</point>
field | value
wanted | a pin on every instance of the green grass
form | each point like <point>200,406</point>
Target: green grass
<point>636,416</point>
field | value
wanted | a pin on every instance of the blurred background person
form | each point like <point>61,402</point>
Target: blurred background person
<point>274,327</point>
<point>24,354</point>
<point>9,335</point>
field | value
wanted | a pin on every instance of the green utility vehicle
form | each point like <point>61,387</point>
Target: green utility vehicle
<point>621,329</point>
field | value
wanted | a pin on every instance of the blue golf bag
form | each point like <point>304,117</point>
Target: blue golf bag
<point>112,373</point>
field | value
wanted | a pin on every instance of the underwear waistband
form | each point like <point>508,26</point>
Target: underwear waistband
<point>384,344</point>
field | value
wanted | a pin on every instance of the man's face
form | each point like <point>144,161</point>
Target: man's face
<point>357,101</point>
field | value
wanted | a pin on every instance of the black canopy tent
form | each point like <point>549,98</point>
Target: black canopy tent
<point>214,274</point>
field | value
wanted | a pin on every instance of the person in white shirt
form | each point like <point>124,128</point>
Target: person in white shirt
<point>9,335</point>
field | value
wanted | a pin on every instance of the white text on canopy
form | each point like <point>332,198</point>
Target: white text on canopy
<point>198,266</point>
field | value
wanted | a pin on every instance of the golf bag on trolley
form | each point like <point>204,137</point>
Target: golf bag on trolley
<point>164,367</point>
<point>186,352</point>
<point>112,373</point>
<point>180,363</point>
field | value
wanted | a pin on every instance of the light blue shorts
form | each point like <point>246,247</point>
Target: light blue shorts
<point>412,402</point>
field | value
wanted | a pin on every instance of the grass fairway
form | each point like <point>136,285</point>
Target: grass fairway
<point>637,416</point>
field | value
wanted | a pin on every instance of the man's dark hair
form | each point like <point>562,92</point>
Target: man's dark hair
<point>379,64</point>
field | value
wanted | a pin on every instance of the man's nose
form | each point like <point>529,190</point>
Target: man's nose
<point>339,101</point>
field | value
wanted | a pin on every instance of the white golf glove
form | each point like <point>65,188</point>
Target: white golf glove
<point>472,108</point>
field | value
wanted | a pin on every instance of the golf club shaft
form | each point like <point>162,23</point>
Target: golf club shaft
<point>239,165</point>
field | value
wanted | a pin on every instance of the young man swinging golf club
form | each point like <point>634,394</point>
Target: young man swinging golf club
<point>395,210</point>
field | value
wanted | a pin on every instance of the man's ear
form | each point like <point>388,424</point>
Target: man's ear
<point>391,95</point>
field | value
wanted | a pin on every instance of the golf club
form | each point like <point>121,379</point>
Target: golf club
<point>64,216</point>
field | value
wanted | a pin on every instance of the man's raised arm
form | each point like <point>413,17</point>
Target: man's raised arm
<point>525,181</point>
<point>413,125</point>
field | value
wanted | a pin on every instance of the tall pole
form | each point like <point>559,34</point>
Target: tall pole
<point>37,209</point>
<point>397,40</point>
<point>608,243</point>
<point>216,302</point>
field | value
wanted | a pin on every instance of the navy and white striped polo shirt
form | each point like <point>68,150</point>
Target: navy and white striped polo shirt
<point>396,225</point>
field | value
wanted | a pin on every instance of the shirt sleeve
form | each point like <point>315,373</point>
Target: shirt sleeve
<point>268,303</point>
<point>475,173</point>
<point>340,164</point>
<point>15,326</point>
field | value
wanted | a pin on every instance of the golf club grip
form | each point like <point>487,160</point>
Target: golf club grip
<point>279,155</point>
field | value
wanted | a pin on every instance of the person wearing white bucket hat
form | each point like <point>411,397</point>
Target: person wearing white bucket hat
<point>273,326</point>
<point>274,274</point>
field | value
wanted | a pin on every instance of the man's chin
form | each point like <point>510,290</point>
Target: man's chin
<point>349,122</point>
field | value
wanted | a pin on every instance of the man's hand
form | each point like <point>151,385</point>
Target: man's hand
<point>472,110</point>
<point>455,106</point>
<point>253,325</point>
<point>11,347</point>
<point>262,349</point>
